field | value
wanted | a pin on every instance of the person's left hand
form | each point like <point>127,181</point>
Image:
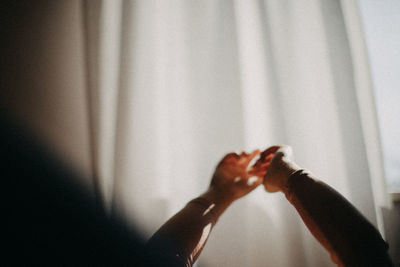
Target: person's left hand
<point>232,179</point>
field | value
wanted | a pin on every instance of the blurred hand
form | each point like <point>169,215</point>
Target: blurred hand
<point>276,165</point>
<point>232,179</point>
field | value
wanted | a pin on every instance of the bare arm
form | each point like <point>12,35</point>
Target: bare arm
<point>349,237</point>
<point>341,229</point>
<point>184,235</point>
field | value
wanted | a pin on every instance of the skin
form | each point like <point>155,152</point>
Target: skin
<point>187,232</point>
<point>338,226</point>
<point>231,177</point>
<point>275,165</point>
<point>331,219</point>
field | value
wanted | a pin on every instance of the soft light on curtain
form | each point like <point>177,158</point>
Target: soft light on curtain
<point>174,85</point>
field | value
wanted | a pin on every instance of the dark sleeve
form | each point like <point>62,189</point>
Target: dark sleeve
<point>349,237</point>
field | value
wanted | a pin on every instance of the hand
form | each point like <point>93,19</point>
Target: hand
<point>276,164</point>
<point>231,179</point>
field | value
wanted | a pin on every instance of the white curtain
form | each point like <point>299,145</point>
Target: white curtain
<point>174,85</point>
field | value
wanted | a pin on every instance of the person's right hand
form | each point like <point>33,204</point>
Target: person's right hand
<point>276,163</point>
<point>231,178</point>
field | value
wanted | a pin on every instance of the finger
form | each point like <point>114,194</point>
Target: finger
<point>250,157</point>
<point>260,165</point>
<point>259,171</point>
<point>243,158</point>
<point>265,165</point>
<point>268,151</point>
<point>260,162</point>
<point>230,157</point>
<point>267,154</point>
<point>255,171</point>
<point>267,159</point>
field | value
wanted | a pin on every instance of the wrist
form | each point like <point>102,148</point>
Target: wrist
<point>287,186</point>
<point>288,169</point>
<point>217,197</point>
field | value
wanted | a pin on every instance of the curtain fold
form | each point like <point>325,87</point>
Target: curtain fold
<point>177,84</point>
<point>103,34</point>
<point>367,107</point>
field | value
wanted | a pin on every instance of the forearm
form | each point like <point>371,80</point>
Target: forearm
<point>336,223</point>
<point>185,234</point>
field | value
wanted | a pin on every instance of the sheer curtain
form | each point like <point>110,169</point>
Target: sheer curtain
<point>174,85</point>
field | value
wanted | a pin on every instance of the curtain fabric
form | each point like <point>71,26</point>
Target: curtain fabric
<point>174,85</point>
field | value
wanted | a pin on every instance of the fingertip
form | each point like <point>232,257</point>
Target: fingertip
<point>269,157</point>
<point>254,153</point>
<point>269,150</point>
<point>252,156</point>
